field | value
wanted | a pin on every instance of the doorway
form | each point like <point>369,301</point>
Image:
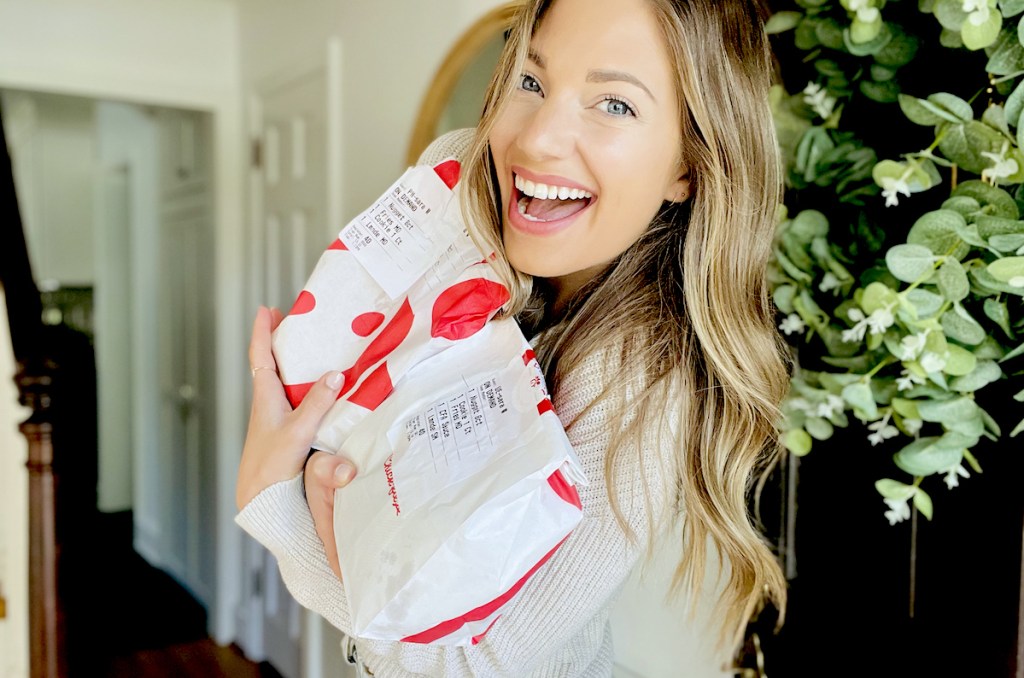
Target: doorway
<point>116,206</point>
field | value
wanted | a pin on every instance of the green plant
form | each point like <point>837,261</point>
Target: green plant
<point>901,281</point>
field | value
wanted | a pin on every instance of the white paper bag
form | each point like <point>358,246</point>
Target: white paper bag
<point>466,481</point>
<point>466,487</point>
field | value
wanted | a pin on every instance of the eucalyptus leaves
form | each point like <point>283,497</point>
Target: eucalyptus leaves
<point>915,330</point>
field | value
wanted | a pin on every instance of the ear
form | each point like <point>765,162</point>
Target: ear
<point>679,190</point>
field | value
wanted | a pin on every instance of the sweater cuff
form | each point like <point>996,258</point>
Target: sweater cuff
<point>279,519</point>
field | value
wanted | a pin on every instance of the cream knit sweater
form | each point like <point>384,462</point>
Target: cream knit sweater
<point>558,623</point>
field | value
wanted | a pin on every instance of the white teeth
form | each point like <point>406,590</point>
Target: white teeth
<point>546,192</point>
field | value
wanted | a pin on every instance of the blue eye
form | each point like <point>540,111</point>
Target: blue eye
<point>618,107</point>
<point>529,83</point>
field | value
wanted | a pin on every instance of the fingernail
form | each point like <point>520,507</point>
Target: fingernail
<point>334,381</point>
<point>343,474</point>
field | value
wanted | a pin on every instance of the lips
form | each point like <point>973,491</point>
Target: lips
<point>543,204</point>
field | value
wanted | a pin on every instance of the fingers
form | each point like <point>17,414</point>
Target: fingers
<point>260,352</point>
<point>275,318</point>
<point>319,399</point>
<point>331,470</point>
<point>325,473</point>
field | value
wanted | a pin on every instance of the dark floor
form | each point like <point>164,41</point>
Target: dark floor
<point>128,619</point>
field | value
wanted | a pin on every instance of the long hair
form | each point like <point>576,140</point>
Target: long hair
<point>688,303</point>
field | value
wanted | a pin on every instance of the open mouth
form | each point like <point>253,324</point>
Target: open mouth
<point>546,202</point>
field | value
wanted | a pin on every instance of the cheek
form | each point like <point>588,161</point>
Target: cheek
<point>503,132</point>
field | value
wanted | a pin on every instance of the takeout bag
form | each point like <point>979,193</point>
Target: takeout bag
<point>402,282</point>
<point>466,481</point>
<point>466,487</point>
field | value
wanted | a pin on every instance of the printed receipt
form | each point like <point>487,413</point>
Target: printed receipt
<point>401,235</point>
<point>459,427</point>
<point>451,439</point>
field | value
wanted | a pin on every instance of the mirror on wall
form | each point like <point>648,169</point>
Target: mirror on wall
<point>455,97</point>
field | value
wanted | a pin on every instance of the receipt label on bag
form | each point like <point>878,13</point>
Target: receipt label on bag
<point>452,439</point>
<point>458,428</point>
<point>401,235</point>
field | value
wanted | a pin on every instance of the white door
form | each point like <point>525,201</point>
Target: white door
<point>182,469</point>
<point>294,217</point>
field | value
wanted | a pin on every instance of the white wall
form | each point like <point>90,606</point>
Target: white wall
<point>390,52</point>
<point>179,52</point>
<point>654,634</point>
<point>125,360</point>
<point>182,54</point>
<point>53,146</point>
<point>13,518</point>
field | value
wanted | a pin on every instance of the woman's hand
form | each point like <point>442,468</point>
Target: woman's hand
<point>325,473</point>
<point>279,438</point>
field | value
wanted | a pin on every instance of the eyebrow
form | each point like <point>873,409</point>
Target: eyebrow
<point>600,76</point>
<point>618,76</point>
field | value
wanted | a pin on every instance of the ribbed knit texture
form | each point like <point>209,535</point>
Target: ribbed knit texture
<point>557,626</point>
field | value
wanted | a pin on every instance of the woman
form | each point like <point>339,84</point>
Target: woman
<point>625,166</point>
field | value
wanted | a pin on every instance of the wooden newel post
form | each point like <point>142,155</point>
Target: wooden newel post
<point>46,628</point>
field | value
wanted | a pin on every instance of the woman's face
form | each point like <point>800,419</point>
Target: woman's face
<point>587,148</point>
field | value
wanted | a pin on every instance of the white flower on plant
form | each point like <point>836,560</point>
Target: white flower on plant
<point>883,430</point>
<point>832,404</point>
<point>977,11</point>
<point>792,323</point>
<point>907,380</point>
<point>856,333</point>
<point>881,319</point>
<point>913,426</point>
<point>912,345</point>
<point>899,510</point>
<point>818,98</point>
<point>829,282</point>
<point>932,362</point>
<point>1002,167</point>
<point>893,188</point>
<point>865,12</point>
<point>953,475</point>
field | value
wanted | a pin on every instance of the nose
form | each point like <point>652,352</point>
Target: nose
<point>548,131</point>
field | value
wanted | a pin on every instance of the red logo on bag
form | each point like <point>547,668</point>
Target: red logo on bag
<point>537,382</point>
<point>392,492</point>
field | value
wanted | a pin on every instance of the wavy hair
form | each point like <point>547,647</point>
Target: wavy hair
<point>688,302</point>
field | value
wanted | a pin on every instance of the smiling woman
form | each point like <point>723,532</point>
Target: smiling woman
<point>627,178</point>
<point>583,118</point>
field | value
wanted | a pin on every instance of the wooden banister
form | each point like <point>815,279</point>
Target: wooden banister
<point>34,380</point>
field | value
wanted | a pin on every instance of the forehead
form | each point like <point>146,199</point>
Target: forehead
<point>597,34</point>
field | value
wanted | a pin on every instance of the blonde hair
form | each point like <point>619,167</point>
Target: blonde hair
<point>688,302</point>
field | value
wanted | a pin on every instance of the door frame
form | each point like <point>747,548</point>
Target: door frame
<point>224,104</point>
<point>329,63</point>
